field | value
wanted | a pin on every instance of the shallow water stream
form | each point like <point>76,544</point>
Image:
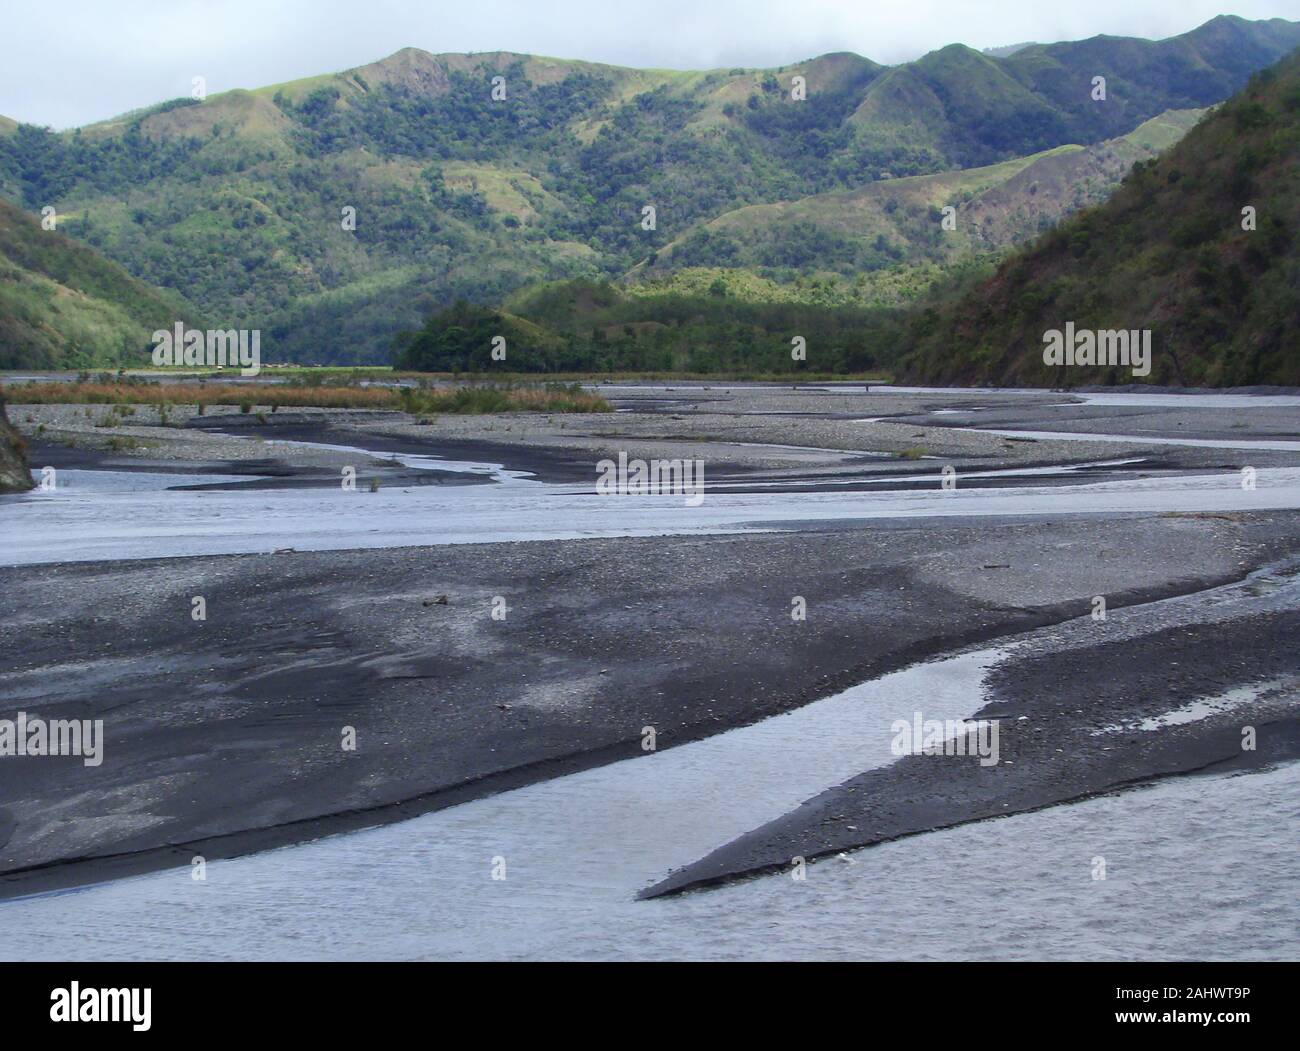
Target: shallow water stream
<point>576,850</point>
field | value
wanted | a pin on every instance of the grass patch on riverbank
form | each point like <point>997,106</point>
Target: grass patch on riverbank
<point>143,393</point>
<point>352,375</point>
<point>474,401</point>
<point>785,379</point>
<point>460,400</point>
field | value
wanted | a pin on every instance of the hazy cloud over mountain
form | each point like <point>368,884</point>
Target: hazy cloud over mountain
<point>74,61</point>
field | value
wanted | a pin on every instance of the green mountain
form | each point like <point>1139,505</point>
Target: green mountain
<point>238,202</point>
<point>62,305</point>
<point>1169,252</point>
<point>882,224</point>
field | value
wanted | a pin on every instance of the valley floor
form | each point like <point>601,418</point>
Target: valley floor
<point>635,618</point>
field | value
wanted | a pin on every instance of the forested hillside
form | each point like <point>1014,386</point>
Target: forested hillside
<point>584,326</point>
<point>244,202</point>
<point>886,224</point>
<point>1199,247</point>
<point>63,305</point>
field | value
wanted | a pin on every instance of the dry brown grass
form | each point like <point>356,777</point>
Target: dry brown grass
<point>474,399</point>
<point>199,394</point>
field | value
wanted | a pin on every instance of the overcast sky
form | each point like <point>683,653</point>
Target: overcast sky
<point>69,62</point>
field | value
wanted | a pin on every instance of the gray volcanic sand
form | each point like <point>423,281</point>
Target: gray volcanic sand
<point>225,735</point>
<point>735,428</point>
<point>1171,687</point>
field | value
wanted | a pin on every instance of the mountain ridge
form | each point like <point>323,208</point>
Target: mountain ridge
<point>237,202</point>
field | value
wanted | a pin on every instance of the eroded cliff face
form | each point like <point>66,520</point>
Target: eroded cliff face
<point>14,475</point>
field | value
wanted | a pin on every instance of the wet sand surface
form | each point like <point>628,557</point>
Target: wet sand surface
<point>223,736</point>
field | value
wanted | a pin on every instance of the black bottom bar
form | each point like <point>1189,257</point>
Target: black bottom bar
<point>341,1000</point>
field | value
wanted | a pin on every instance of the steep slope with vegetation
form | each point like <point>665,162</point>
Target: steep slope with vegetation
<point>62,305</point>
<point>1171,252</point>
<point>240,202</point>
<point>883,224</point>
